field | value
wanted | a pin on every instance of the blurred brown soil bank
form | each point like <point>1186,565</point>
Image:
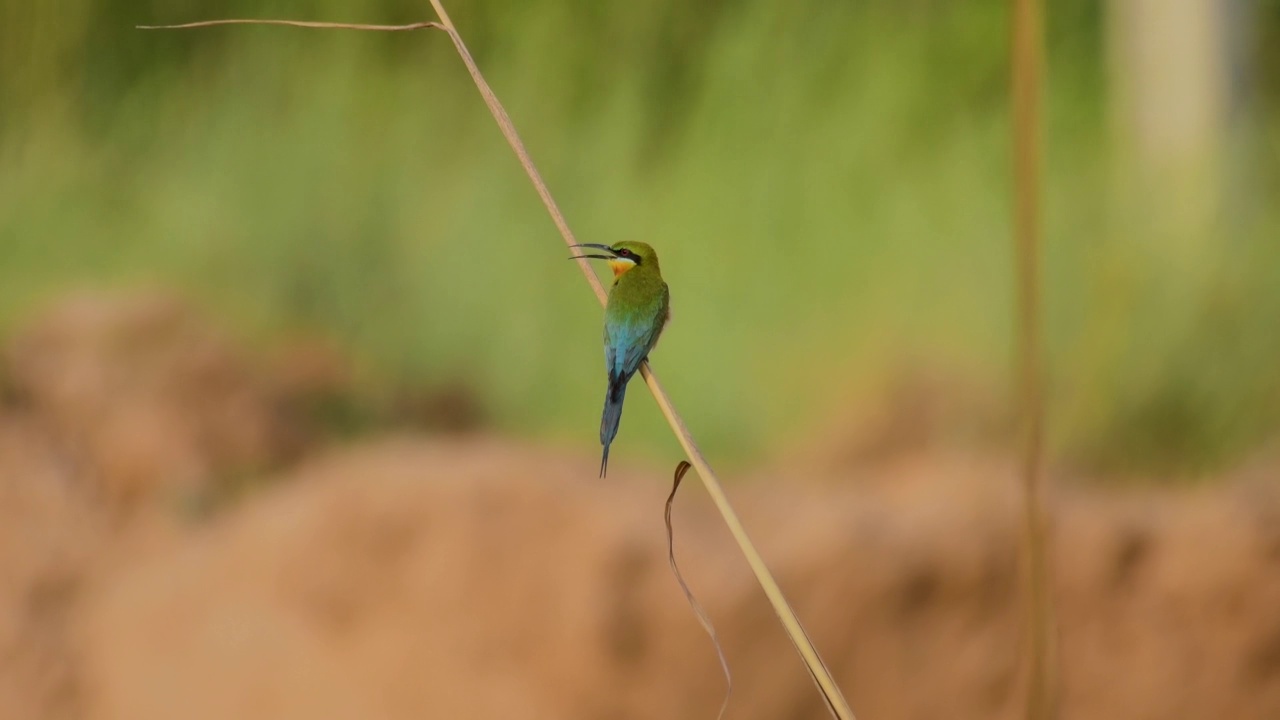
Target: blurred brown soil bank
<point>469,577</point>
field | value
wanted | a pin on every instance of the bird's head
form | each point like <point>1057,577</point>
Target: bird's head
<point>623,256</point>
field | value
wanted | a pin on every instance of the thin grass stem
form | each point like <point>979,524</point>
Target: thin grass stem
<point>822,677</point>
<point>1026,64</point>
<point>826,684</point>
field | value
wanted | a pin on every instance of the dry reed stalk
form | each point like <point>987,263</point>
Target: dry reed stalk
<point>1025,64</point>
<point>295,23</point>
<point>826,684</point>
<point>703,618</point>
<point>818,671</point>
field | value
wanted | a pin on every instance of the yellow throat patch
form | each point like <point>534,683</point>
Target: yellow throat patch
<point>620,266</point>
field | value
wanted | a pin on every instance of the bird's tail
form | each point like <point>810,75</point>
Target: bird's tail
<point>611,417</point>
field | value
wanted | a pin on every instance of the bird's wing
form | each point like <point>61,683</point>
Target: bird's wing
<point>628,343</point>
<point>610,354</point>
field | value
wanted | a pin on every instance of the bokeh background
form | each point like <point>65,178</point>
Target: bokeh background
<point>266,293</point>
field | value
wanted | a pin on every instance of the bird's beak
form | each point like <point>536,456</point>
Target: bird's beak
<point>594,246</point>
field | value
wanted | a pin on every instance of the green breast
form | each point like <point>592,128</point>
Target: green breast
<point>638,296</point>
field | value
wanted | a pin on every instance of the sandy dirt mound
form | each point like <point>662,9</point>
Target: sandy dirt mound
<point>146,397</point>
<point>117,412</point>
<point>474,579</point>
<point>47,534</point>
<point>403,580</point>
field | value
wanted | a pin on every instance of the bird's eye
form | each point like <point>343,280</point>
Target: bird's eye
<point>624,253</point>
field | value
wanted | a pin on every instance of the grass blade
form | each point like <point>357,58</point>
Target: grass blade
<point>822,678</point>
<point>1026,63</point>
<point>698,611</point>
<point>295,23</point>
<point>826,684</point>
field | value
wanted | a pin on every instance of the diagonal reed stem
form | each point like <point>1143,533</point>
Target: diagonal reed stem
<point>835,701</point>
<point>822,678</point>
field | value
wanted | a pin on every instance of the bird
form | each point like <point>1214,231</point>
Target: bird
<point>637,311</point>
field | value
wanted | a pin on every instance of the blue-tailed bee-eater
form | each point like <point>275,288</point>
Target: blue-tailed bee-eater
<point>638,309</point>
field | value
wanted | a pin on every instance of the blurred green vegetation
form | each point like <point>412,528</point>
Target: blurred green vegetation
<point>827,184</point>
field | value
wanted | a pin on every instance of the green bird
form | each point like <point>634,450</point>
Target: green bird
<point>638,309</point>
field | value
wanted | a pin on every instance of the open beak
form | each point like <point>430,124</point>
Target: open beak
<point>594,246</point>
